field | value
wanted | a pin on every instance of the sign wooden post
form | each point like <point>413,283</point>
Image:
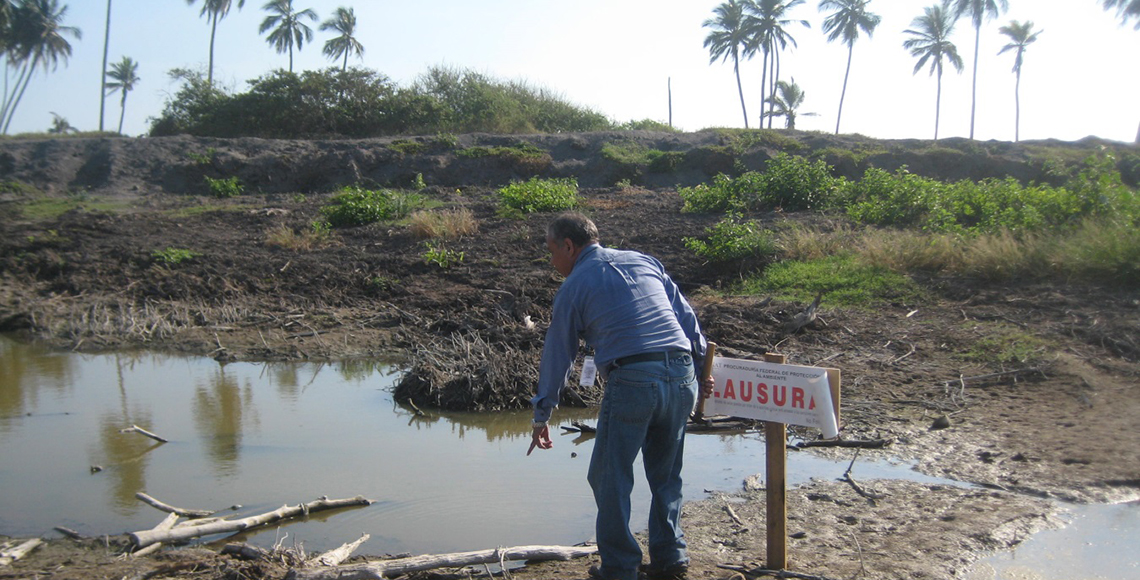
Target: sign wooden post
<point>775,440</point>
<point>780,395</point>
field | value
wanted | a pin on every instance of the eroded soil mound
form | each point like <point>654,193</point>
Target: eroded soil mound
<point>1061,426</point>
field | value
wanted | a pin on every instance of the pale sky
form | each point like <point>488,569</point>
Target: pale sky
<point>618,56</point>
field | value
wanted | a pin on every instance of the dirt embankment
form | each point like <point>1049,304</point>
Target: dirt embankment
<point>1061,427</point>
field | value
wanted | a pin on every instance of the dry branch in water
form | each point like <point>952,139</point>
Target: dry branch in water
<point>171,509</point>
<point>181,534</point>
<point>392,568</point>
<point>141,431</point>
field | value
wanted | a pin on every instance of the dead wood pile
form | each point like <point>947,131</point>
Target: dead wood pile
<point>470,371</point>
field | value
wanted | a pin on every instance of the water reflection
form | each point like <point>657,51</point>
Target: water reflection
<point>223,408</point>
<point>25,371</point>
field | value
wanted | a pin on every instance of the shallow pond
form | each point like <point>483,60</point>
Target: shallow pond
<point>262,435</point>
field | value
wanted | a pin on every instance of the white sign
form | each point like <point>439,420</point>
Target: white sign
<point>789,394</point>
<point>589,372</point>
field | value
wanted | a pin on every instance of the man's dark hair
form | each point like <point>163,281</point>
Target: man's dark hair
<point>575,226</point>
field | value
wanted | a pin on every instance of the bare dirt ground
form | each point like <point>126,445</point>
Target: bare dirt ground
<point>1062,426</point>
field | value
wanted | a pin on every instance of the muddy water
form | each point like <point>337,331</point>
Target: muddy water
<point>263,435</point>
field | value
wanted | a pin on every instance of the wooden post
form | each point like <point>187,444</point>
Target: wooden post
<point>775,438</point>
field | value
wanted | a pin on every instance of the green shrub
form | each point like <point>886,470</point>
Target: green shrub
<point>723,194</point>
<point>227,187</point>
<point>647,125</point>
<point>405,147</point>
<point>794,183</point>
<point>891,199</point>
<point>439,255</point>
<point>733,239</point>
<point>173,256</point>
<point>540,195</point>
<point>356,206</point>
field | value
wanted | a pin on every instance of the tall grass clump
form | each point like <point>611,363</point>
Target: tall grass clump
<point>540,195</point>
<point>356,206</point>
<point>445,224</point>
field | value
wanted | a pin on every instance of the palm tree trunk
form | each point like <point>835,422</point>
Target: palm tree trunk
<point>103,71</point>
<point>763,88</point>
<point>213,33</point>
<point>290,58</point>
<point>345,67</point>
<point>740,90</point>
<point>16,103</point>
<point>1017,109</point>
<point>974,90</point>
<point>775,78</point>
<point>938,104</point>
<point>843,94</point>
<point>122,110</point>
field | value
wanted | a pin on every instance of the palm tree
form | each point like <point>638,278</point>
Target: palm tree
<point>103,84</point>
<point>123,75</point>
<point>770,36</point>
<point>60,125</point>
<point>344,22</point>
<point>215,10</point>
<point>1020,36</point>
<point>849,18</point>
<point>978,11</point>
<point>931,42</point>
<point>1126,9</point>
<point>287,29</point>
<point>37,39</point>
<point>730,37</point>
<point>788,98</point>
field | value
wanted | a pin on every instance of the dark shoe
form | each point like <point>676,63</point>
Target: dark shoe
<point>674,572</point>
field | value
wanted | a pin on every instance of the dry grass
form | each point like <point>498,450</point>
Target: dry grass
<point>286,237</point>
<point>446,224</point>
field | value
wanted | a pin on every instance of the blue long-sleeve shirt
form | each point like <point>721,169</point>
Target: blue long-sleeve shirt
<point>621,303</point>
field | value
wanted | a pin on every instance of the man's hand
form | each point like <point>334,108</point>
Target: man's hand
<point>540,438</point>
<point>707,385</point>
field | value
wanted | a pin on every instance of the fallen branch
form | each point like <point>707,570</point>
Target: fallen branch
<point>9,555</point>
<point>849,443</point>
<point>246,551</point>
<point>338,555</point>
<point>391,568</point>
<point>69,532</point>
<point>164,525</point>
<point>148,537</point>
<point>141,431</point>
<point>578,426</point>
<point>171,509</point>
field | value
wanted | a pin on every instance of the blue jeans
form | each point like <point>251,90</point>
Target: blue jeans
<point>646,407</point>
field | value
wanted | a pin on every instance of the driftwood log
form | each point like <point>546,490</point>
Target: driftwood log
<point>171,509</point>
<point>338,555</point>
<point>11,554</point>
<point>141,431</point>
<point>181,534</point>
<point>391,568</point>
<point>165,524</point>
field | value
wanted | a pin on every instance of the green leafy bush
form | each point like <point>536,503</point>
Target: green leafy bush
<point>356,206</point>
<point>226,187</point>
<point>794,183</point>
<point>173,256</point>
<point>733,239</point>
<point>441,256</point>
<point>535,195</point>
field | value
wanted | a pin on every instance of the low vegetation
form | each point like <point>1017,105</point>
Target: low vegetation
<point>356,206</point>
<point>540,195</point>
